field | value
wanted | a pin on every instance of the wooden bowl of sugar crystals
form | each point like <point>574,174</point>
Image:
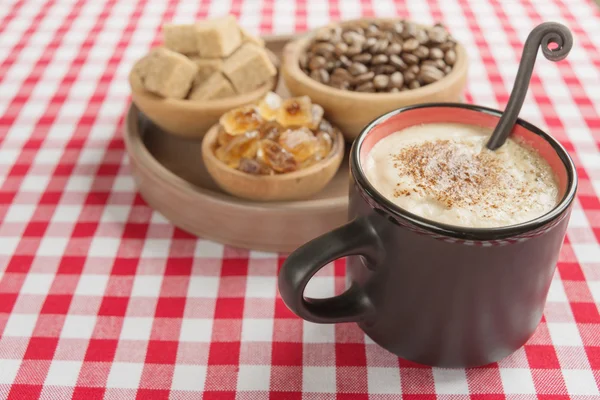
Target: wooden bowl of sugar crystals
<point>202,71</point>
<point>360,69</point>
<point>278,150</point>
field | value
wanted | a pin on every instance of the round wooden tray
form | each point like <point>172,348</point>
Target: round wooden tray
<point>172,178</point>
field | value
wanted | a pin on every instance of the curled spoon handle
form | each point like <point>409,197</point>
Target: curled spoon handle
<point>542,35</point>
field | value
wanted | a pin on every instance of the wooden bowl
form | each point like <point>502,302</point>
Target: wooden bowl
<point>352,111</point>
<point>296,185</point>
<point>192,119</point>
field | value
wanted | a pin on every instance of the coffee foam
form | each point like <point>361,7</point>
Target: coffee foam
<point>444,172</point>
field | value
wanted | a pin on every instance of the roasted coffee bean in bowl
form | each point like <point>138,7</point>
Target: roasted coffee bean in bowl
<point>361,68</point>
<point>384,57</point>
<point>275,150</point>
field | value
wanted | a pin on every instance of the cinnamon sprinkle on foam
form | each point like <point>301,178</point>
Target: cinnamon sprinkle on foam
<point>444,172</point>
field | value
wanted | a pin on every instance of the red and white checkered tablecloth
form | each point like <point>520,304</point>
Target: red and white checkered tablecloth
<point>100,297</point>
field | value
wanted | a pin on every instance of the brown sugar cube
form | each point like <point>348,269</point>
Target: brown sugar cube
<point>170,74</point>
<point>248,68</point>
<point>215,87</point>
<point>180,38</point>
<point>141,67</point>
<point>218,37</point>
<point>136,80</point>
<point>143,64</point>
<point>247,37</point>
<point>206,67</point>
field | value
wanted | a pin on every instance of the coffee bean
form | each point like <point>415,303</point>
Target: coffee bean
<point>384,69</point>
<point>397,39</point>
<point>320,75</point>
<point>342,85</point>
<point>366,87</point>
<point>440,64</point>
<point>422,37</point>
<point>363,58</point>
<point>314,74</point>
<point>362,78</point>
<point>414,85</point>
<point>330,65</point>
<point>380,46</point>
<point>450,44</point>
<point>304,61</point>
<point>410,58</point>
<point>356,29</point>
<point>380,35</point>
<point>430,74</point>
<point>337,81</point>
<point>341,48</point>
<point>435,53</point>
<point>386,25</point>
<point>450,57</point>
<point>345,61</point>
<point>422,52</point>
<point>398,62</point>
<point>357,68</point>
<point>410,30</point>
<point>398,28</point>
<point>409,77</point>
<point>396,80</point>
<point>354,50</point>
<point>342,72</point>
<point>393,49</point>
<point>381,81</point>
<point>410,45</point>
<point>379,59</point>
<point>448,69</point>
<point>394,90</point>
<point>352,38</point>
<point>373,49</point>
<point>323,35</point>
<point>323,48</point>
<point>414,69</point>
<point>438,35</point>
<point>335,39</point>
<point>370,42</point>
<point>371,31</point>
<point>317,62</point>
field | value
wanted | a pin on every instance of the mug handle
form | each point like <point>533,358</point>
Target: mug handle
<point>357,237</point>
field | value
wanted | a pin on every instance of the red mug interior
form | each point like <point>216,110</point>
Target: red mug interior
<point>441,114</point>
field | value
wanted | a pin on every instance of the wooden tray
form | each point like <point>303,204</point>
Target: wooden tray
<point>172,178</point>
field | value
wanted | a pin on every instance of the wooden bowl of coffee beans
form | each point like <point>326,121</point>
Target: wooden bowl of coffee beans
<point>359,69</point>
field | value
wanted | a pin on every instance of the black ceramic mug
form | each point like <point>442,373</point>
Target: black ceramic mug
<point>432,293</point>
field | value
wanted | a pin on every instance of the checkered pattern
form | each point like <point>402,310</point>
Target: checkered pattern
<point>100,297</point>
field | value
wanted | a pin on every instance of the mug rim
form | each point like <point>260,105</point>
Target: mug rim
<point>456,231</point>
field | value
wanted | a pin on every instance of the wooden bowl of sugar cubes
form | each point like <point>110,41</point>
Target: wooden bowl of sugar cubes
<point>201,71</point>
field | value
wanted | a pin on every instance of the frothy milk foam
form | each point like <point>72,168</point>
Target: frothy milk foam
<point>444,172</point>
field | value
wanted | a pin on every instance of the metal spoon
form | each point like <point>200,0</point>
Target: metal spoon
<point>544,34</point>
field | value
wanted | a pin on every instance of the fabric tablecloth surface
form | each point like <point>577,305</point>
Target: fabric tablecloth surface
<point>101,297</point>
